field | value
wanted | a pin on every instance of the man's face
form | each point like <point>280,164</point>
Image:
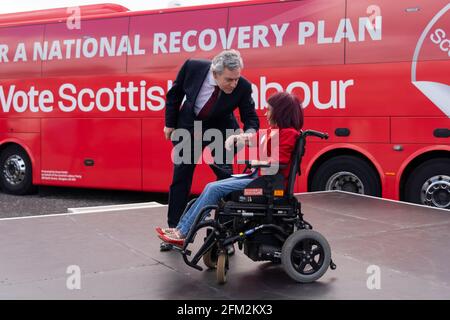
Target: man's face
<point>228,79</point>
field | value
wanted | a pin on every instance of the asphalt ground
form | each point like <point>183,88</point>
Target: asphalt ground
<point>54,200</point>
<point>384,250</point>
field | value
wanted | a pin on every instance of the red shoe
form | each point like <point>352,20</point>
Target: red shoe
<point>163,231</point>
<point>170,239</point>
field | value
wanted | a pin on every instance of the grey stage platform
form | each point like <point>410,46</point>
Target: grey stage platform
<point>118,254</point>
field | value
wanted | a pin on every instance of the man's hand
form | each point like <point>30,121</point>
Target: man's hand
<point>168,132</point>
<point>238,139</point>
<point>241,140</point>
<point>229,143</point>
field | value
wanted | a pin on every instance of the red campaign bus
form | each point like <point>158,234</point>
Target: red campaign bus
<point>82,91</point>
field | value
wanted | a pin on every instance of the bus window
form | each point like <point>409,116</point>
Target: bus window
<point>99,46</point>
<point>289,34</point>
<point>190,34</point>
<point>16,51</point>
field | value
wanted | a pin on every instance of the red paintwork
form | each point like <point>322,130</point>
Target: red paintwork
<point>381,106</point>
<point>58,14</point>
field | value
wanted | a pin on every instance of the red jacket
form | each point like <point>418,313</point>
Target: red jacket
<point>277,148</point>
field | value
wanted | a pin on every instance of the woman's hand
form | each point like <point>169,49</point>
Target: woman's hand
<point>258,162</point>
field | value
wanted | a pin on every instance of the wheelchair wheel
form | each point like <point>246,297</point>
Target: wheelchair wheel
<point>306,256</point>
<point>210,257</point>
<point>222,268</point>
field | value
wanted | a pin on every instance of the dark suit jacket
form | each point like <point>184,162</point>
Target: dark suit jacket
<point>189,82</point>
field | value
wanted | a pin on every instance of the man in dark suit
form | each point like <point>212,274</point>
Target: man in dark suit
<point>213,90</point>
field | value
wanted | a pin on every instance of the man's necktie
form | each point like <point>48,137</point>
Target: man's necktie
<point>203,114</point>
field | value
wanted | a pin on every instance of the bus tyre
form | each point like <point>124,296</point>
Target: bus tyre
<point>429,184</point>
<point>346,173</point>
<point>15,169</point>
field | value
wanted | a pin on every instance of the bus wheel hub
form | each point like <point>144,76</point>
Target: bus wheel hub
<point>436,192</point>
<point>14,170</point>
<point>345,181</point>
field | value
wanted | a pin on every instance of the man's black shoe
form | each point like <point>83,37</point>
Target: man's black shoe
<point>230,250</point>
<point>165,247</point>
<point>222,171</point>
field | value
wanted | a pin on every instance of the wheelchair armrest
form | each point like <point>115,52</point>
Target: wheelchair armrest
<point>315,133</point>
<point>249,165</point>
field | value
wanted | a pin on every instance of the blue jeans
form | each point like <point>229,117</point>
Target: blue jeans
<point>211,195</point>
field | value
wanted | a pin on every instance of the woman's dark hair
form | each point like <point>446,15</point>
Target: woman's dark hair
<point>287,111</point>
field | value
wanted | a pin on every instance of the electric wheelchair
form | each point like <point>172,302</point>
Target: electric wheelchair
<point>266,221</point>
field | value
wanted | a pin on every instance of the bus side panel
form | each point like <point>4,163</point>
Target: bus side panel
<point>286,33</point>
<point>396,27</point>
<point>373,130</point>
<point>419,130</point>
<point>166,43</point>
<point>16,51</point>
<point>408,38</point>
<point>113,31</point>
<point>17,125</point>
<point>104,153</point>
<point>360,90</point>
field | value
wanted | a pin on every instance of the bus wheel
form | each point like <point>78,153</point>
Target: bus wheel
<point>15,170</point>
<point>346,173</point>
<point>429,184</point>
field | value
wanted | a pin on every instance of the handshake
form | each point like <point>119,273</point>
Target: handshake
<point>240,140</point>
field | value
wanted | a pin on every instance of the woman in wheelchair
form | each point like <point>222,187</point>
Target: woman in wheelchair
<point>285,118</point>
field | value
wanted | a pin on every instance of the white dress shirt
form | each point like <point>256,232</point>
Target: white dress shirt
<point>205,92</point>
